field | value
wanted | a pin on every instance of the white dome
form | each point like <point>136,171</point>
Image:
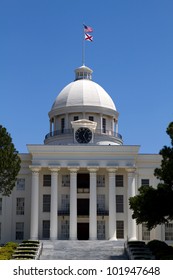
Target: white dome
<point>83,93</point>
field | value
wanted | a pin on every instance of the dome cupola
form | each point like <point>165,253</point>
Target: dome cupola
<point>83,72</point>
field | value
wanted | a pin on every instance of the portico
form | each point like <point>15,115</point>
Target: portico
<point>81,218</point>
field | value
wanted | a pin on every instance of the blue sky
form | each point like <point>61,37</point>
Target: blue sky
<point>131,56</point>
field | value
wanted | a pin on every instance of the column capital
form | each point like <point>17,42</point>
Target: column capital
<point>92,169</point>
<point>131,169</point>
<point>73,169</point>
<point>54,168</point>
<point>35,168</point>
<point>112,169</point>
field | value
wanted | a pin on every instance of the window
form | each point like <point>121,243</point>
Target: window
<point>46,229</point>
<point>104,125</point>
<point>20,205</point>
<point>120,229</point>
<point>119,180</point>
<point>145,182</point>
<point>100,202</point>
<point>46,180</point>
<point>100,230</point>
<point>46,202</point>
<point>19,231</point>
<point>62,125</point>
<point>145,233</point>
<point>65,180</point>
<point>0,205</point>
<point>169,231</point>
<point>65,230</point>
<point>75,118</point>
<point>119,203</point>
<point>91,118</point>
<point>20,184</point>
<point>100,181</point>
<point>65,202</point>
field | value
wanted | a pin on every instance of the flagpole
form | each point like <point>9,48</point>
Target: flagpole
<point>83,47</point>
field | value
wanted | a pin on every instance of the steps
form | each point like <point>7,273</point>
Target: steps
<point>82,250</point>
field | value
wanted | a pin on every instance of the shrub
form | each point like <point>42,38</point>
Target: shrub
<point>157,245</point>
<point>167,257</point>
<point>12,245</point>
<point>7,250</point>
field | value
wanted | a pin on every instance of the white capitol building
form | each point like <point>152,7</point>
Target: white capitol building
<point>77,184</point>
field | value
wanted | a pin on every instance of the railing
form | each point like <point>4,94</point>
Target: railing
<point>70,131</point>
<point>58,132</point>
<point>100,212</point>
<point>64,212</point>
<point>83,190</point>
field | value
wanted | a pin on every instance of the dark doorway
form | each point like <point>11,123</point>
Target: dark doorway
<point>83,231</point>
<point>83,207</point>
<point>83,181</point>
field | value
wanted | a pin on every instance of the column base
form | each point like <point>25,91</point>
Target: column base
<point>113,239</point>
<point>132,239</point>
<point>33,238</point>
<point>93,238</point>
<point>53,238</point>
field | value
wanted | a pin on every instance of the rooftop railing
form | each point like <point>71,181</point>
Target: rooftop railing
<point>70,131</point>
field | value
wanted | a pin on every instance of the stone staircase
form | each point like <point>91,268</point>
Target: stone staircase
<point>83,250</point>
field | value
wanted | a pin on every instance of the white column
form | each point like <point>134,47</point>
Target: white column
<point>132,228</point>
<point>93,205</point>
<point>112,204</point>
<point>101,123</point>
<point>34,203</point>
<point>73,203</point>
<point>66,121</point>
<point>50,121</point>
<point>113,127</point>
<point>54,204</point>
<point>116,130</point>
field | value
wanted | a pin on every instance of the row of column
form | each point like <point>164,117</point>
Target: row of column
<point>132,231</point>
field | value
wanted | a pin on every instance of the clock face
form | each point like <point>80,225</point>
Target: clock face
<point>83,135</point>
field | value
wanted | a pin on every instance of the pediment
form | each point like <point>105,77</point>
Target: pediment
<point>84,123</point>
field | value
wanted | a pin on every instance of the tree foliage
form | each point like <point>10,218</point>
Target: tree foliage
<point>154,206</point>
<point>9,162</point>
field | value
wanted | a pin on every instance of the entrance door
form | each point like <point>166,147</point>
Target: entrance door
<point>82,231</point>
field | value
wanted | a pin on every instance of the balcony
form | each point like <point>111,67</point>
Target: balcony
<point>83,190</point>
<point>100,212</point>
<point>65,212</point>
<point>70,131</point>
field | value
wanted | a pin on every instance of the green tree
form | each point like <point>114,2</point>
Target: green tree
<point>155,206</point>
<point>9,163</point>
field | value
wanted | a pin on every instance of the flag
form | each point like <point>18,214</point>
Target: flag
<point>87,29</point>
<point>88,37</point>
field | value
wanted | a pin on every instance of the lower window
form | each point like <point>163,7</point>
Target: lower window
<point>65,230</point>
<point>101,230</point>
<point>120,229</point>
<point>19,231</point>
<point>145,232</point>
<point>46,229</point>
<point>169,231</point>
